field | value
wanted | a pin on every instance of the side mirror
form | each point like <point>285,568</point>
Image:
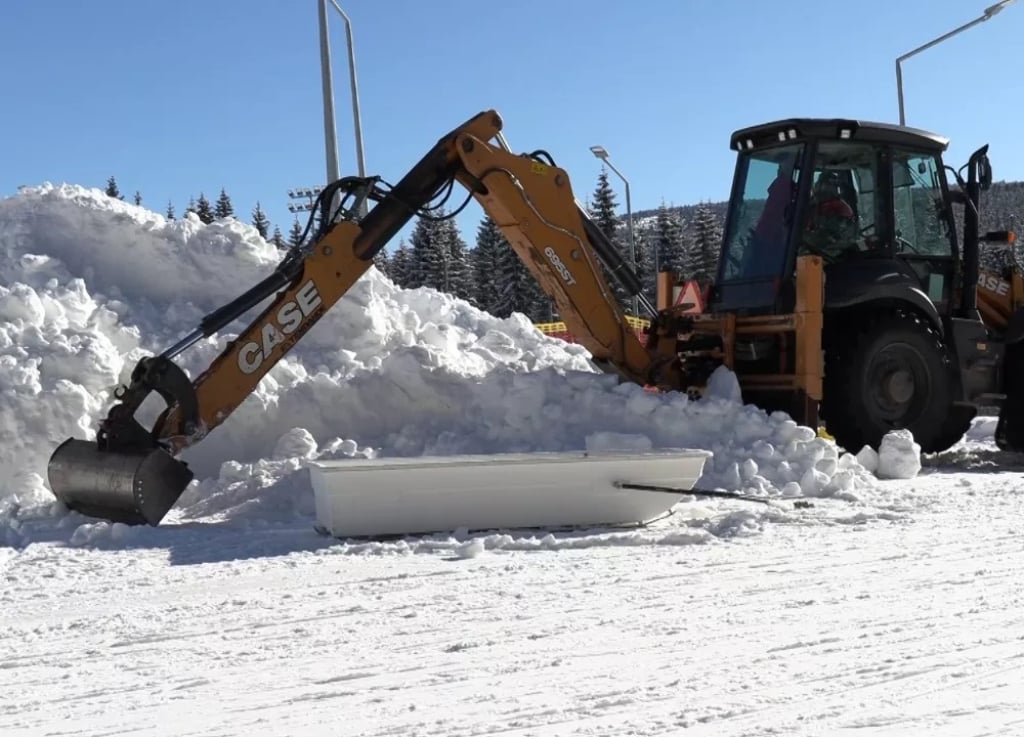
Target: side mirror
<point>980,168</point>
<point>984,173</point>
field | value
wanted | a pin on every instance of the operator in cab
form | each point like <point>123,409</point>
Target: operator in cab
<point>831,228</point>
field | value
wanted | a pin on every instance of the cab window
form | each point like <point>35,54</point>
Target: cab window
<point>845,213</point>
<point>760,218</point>
<point>921,225</point>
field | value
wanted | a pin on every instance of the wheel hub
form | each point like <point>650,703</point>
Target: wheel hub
<point>897,384</point>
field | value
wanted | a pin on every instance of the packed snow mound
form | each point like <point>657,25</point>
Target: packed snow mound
<point>91,284</point>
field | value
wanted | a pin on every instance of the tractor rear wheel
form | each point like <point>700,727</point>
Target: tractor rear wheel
<point>1010,429</point>
<point>894,372</point>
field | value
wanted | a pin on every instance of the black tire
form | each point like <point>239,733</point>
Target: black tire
<point>892,371</point>
<point>1010,429</point>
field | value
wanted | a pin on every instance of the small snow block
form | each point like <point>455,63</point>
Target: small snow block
<point>407,496</point>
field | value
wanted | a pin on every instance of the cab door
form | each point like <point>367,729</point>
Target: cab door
<point>924,235</point>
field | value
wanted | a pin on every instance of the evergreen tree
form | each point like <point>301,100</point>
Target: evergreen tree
<point>224,208</point>
<point>112,190</point>
<point>401,266</point>
<point>644,267</point>
<point>462,282</point>
<point>203,209</point>
<point>260,221</point>
<point>440,260</point>
<point>487,266</point>
<point>138,197</point>
<point>707,239</point>
<point>602,211</point>
<point>518,290</point>
<point>191,206</point>
<point>668,236</point>
<point>278,239</point>
<point>170,210</point>
<point>295,234</point>
<point>382,262</point>
<point>602,207</point>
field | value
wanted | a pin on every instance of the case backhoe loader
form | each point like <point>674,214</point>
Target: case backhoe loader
<point>840,239</point>
<point>905,346</point>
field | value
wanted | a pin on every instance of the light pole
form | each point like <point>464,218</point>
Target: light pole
<point>327,83</point>
<point>601,153</point>
<point>330,130</point>
<point>989,12</point>
<point>303,193</point>
<point>354,89</point>
<point>309,194</point>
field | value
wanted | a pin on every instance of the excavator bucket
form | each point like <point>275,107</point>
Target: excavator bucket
<point>134,486</point>
<point>127,474</point>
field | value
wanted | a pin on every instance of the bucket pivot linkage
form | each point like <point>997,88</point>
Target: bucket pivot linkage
<point>126,474</point>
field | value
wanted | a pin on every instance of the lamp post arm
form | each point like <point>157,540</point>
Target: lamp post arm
<point>924,47</point>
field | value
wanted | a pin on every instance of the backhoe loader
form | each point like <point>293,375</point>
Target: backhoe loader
<point>871,332</point>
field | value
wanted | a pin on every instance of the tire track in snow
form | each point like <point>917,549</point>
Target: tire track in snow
<point>801,630</point>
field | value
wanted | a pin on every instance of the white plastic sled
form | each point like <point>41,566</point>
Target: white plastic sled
<point>407,496</point>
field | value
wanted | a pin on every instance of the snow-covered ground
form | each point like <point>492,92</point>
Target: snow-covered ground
<point>723,621</point>
<point>884,607</point>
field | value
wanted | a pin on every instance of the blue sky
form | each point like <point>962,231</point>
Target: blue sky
<point>195,95</point>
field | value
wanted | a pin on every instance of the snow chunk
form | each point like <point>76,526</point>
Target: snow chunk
<point>899,457</point>
<point>723,384</point>
<point>868,457</point>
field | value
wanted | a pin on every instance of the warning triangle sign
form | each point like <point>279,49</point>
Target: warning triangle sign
<point>690,295</point>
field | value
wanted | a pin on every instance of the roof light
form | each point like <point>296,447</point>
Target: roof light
<point>845,133</point>
<point>792,133</point>
<point>782,136</point>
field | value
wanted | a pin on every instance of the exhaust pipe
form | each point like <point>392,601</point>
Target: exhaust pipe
<point>133,486</point>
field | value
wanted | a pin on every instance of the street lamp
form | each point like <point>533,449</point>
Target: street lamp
<point>330,131</point>
<point>601,153</point>
<point>989,12</point>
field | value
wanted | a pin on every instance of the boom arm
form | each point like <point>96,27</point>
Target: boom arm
<point>130,474</point>
<point>530,201</point>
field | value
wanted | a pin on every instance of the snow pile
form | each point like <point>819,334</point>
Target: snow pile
<point>90,284</point>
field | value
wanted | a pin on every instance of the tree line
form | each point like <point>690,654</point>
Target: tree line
<point>490,274</point>
<point>221,208</point>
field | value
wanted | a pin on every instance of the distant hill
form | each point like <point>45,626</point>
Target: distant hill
<point>1002,208</point>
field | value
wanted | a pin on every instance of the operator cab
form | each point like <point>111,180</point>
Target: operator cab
<point>868,198</point>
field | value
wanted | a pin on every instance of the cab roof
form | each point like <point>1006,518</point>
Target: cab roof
<point>794,129</point>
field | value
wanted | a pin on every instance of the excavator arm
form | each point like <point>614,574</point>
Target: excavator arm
<point>131,474</point>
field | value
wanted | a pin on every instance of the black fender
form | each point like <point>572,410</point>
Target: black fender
<point>858,283</point>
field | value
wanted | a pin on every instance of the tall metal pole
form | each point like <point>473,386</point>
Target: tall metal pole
<point>354,86</point>
<point>330,130</point>
<point>986,15</point>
